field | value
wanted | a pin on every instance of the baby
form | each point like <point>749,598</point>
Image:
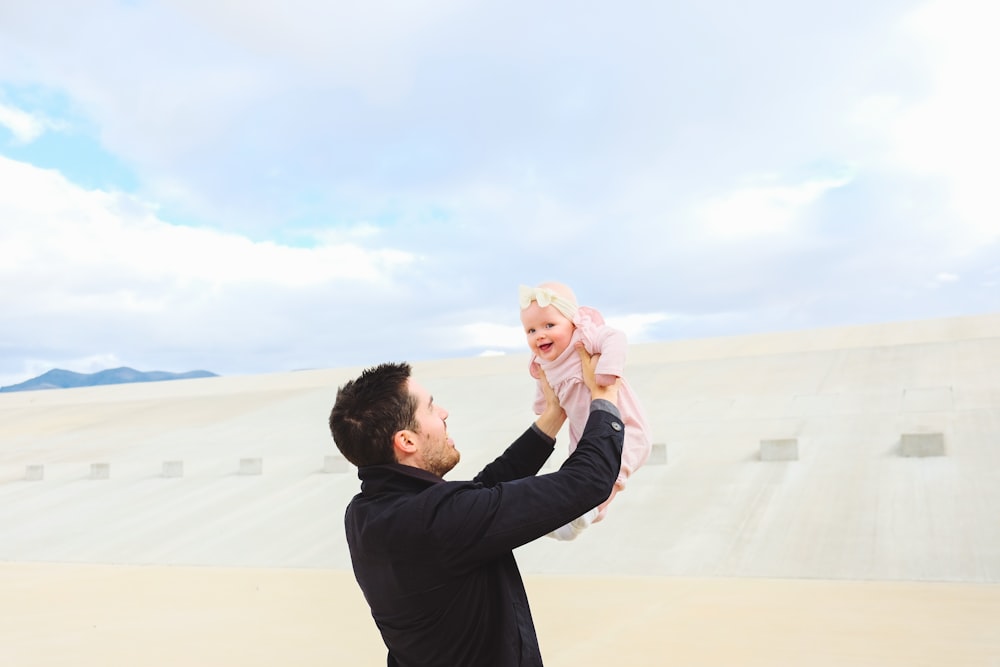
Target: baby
<point>553,322</point>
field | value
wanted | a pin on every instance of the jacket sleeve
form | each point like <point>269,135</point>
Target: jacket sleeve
<point>523,458</point>
<point>481,520</point>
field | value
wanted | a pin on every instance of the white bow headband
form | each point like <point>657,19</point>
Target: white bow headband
<point>546,297</point>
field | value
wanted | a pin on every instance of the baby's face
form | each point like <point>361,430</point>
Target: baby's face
<point>548,331</point>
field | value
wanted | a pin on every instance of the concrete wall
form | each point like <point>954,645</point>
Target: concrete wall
<point>849,505</point>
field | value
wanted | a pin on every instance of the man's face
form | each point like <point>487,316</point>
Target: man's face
<point>548,331</point>
<point>437,450</point>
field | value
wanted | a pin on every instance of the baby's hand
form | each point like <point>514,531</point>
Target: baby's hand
<point>605,380</point>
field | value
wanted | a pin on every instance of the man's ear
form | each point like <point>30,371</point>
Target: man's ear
<point>404,443</point>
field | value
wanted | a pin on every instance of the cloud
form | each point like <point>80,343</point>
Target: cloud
<point>487,335</point>
<point>53,223</point>
<point>127,279</point>
<point>24,126</point>
<point>305,185</point>
<point>760,210</point>
<point>637,326</point>
<point>262,104</point>
<point>948,132</point>
<point>493,338</point>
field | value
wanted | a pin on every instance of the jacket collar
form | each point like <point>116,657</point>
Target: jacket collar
<point>394,478</point>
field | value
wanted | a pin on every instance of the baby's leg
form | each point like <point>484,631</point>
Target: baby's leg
<point>602,509</point>
<point>578,525</point>
<point>574,527</point>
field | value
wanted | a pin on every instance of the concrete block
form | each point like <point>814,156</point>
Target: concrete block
<point>100,470</point>
<point>335,464</point>
<point>34,473</point>
<point>921,444</point>
<point>784,449</point>
<point>173,468</point>
<point>658,455</point>
<point>251,466</point>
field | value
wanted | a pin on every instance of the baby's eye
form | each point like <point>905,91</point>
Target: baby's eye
<point>530,331</point>
<point>549,325</point>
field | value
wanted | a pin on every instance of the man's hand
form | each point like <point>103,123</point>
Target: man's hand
<point>553,416</point>
<point>589,364</point>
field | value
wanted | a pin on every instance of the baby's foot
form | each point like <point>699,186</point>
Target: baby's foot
<point>573,528</point>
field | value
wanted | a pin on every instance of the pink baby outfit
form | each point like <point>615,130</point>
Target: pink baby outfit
<point>565,375</point>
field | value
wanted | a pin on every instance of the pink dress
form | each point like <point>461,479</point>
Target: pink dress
<point>566,377</point>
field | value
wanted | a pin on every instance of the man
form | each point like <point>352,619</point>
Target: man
<point>434,558</point>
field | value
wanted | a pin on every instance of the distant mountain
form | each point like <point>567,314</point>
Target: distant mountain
<point>60,379</point>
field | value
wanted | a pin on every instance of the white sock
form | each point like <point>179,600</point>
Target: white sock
<point>574,527</point>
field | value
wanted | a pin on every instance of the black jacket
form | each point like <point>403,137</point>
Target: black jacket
<point>434,558</point>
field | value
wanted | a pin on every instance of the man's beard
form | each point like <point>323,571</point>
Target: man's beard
<point>444,461</point>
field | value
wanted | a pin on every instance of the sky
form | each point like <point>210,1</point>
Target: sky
<point>262,187</point>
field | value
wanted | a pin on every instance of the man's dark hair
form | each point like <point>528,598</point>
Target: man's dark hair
<point>369,411</point>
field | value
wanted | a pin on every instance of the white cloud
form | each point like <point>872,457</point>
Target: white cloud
<point>24,126</point>
<point>950,134</point>
<point>764,209</point>
<point>637,326</point>
<point>487,335</point>
<point>366,47</point>
<point>943,279</point>
<point>432,168</point>
<point>497,338</point>
<point>69,232</point>
<point>100,276</point>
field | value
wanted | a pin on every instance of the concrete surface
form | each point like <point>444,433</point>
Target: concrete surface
<point>850,507</point>
<point>867,556</point>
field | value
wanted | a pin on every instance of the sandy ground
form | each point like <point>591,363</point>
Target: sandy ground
<point>107,615</point>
